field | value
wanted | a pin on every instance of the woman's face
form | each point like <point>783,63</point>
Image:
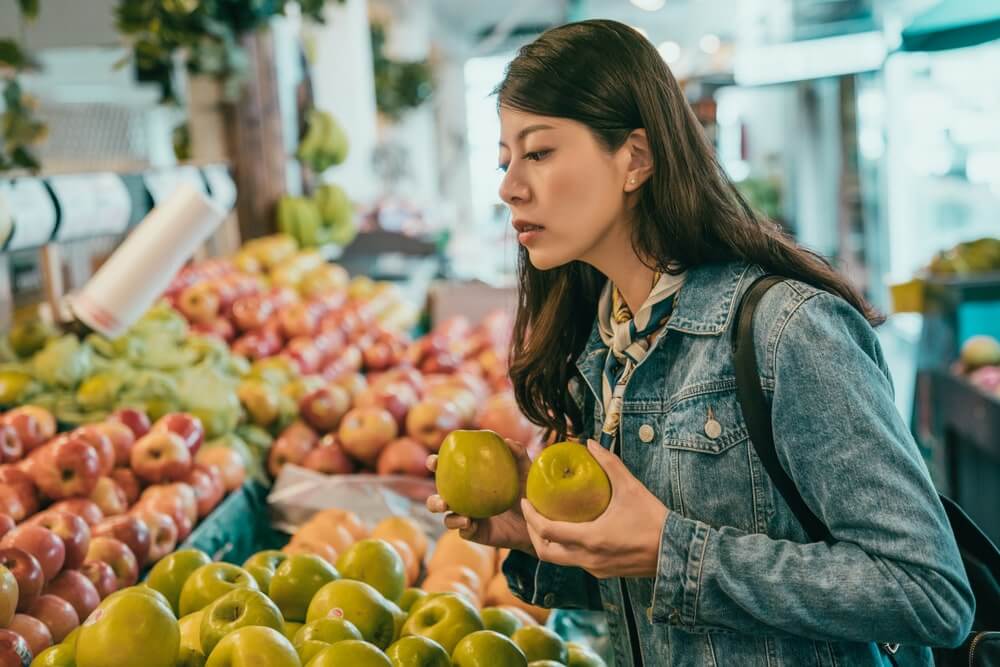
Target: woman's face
<point>565,191</point>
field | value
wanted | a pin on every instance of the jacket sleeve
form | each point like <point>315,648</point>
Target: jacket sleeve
<point>552,586</point>
<point>893,574</point>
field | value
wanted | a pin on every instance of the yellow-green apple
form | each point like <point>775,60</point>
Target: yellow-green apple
<point>70,468</point>
<point>350,652</point>
<point>566,483</point>
<point>290,629</point>
<point>325,407</point>
<point>364,432</point>
<point>329,457</point>
<point>76,589</point>
<point>410,597</point>
<point>190,627</point>
<point>210,582</point>
<point>430,420</point>
<point>14,650</point>
<point>360,604</point>
<point>296,581</point>
<point>228,461</point>
<point>206,481</point>
<point>8,596</point>
<point>122,438</point>
<point>139,589</point>
<point>161,456</point>
<point>41,543</point>
<point>501,414</point>
<point>199,302</point>
<point>500,620</point>
<point>135,419</point>
<point>254,645</point>
<point>116,554</point>
<point>130,530</point>
<point>234,610</point>
<point>417,651</point>
<point>34,425</point>
<point>109,497</point>
<point>34,632</point>
<point>170,574</point>
<point>128,483</point>
<point>187,426</point>
<point>102,445</point>
<point>162,533</point>
<point>71,529</point>
<point>101,575</point>
<point>313,637</point>
<point>445,619</point>
<point>477,474</point>
<point>487,648</point>
<point>71,639</point>
<point>261,400</point>
<point>376,563</point>
<point>112,637</point>
<point>57,614</point>
<point>59,655</point>
<point>262,566</point>
<point>583,656</point>
<point>540,643</point>
<point>84,508</point>
<point>188,657</point>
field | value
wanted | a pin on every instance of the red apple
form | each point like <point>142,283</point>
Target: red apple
<point>70,468</point>
<point>298,319</point>
<point>161,456</point>
<point>229,463</point>
<point>135,419</point>
<point>250,312</point>
<point>74,587</point>
<point>71,529</point>
<point>81,507</point>
<point>187,426</point>
<point>34,632</point>
<point>408,375</point>
<point>348,361</point>
<point>41,543</point>
<point>109,497</point>
<point>287,449</point>
<point>329,458</point>
<point>404,456</point>
<point>206,481</point>
<point>28,573</point>
<point>34,425</point>
<point>444,362</point>
<point>11,504</point>
<point>354,383</point>
<point>101,443</point>
<point>11,447</point>
<point>220,328</point>
<point>101,576</point>
<point>329,343</point>
<point>14,650</point>
<point>7,524</point>
<point>460,396</point>
<point>130,530</point>
<point>176,501</point>
<point>57,614</point>
<point>365,431</point>
<point>19,481</point>
<point>116,554</point>
<point>162,533</point>
<point>325,407</point>
<point>199,303</point>
<point>430,421</point>
<point>396,397</point>
<point>128,483</point>
<point>122,438</point>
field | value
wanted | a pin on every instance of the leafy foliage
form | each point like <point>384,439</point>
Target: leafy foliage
<point>399,85</point>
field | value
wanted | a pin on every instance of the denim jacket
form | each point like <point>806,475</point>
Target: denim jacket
<point>737,581</point>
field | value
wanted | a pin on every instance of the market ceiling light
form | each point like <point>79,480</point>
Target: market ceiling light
<point>670,52</point>
<point>649,5</point>
<point>710,43</point>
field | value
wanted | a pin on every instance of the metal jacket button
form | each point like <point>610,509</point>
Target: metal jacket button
<point>646,433</point>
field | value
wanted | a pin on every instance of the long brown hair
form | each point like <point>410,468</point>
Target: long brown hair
<point>608,77</point>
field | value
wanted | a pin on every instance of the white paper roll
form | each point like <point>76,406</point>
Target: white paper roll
<point>141,268</point>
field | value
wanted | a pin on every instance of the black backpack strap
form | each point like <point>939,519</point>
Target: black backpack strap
<point>757,411</point>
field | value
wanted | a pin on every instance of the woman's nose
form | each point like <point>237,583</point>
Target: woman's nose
<point>513,190</point>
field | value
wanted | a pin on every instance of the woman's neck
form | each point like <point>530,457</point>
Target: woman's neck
<point>616,258</point>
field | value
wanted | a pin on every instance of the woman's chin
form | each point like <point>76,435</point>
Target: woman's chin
<point>544,261</point>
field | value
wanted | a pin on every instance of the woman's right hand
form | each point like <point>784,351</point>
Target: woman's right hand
<point>507,530</point>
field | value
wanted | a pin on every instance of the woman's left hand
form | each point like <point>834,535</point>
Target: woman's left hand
<point>623,542</point>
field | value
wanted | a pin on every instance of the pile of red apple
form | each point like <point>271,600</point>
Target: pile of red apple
<point>114,496</point>
<point>389,419</point>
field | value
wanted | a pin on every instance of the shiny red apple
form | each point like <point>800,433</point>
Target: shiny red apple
<point>41,543</point>
<point>75,588</point>
<point>101,576</point>
<point>11,447</point>
<point>101,443</point>
<point>57,614</point>
<point>329,457</point>
<point>71,529</point>
<point>135,419</point>
<point>116,554</point>
<point>122,438</point>
<point>14,650</point>
<point>206,481</point>
<point>325,407</point>
<point>162,533</point>
<point>404,456</point>
<point>34,632</point>
<point>431,420</point>
<point>70,468</point>
<point>34,425</point>
<point>128,483</point>
<point>161,456</point>
<point>187,426</point>
<point>84,508</point>
<point>129,529</point>
<point>364,432</point>
<point>28,573</point>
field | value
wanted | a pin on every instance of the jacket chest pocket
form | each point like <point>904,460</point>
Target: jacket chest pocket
<point>703,449</point>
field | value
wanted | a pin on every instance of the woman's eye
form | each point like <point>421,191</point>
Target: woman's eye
<point>536,155</point>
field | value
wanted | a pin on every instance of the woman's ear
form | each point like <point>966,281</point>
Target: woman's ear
<point>640,165</point>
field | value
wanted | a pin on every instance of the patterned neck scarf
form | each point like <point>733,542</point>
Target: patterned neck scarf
<point>629,338</point>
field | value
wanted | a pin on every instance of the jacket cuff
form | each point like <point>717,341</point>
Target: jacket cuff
<point>678,571</point>
<point>546,585</point>
<point>521,570</point>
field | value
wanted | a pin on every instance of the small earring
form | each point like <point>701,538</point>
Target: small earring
<point>632,181</point>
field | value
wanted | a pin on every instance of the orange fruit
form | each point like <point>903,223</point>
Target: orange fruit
<point>462,575</point>
<point>306,546</point>
<point>443,585</point>
<point>452,549</point>
<point>355,526</point>
<point>335,535</point>
<point>405,529</point>
<point>410,562</point>
<point>499,595</point>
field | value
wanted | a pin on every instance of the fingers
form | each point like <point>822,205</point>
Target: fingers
<point>437,504</point>
<point>549,551</point>
<point>460,523</point>
<point>560,532</point>
<point>612,465</point>
<point>432,462</point>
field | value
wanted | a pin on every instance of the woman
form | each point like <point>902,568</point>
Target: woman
<point>624,217</point>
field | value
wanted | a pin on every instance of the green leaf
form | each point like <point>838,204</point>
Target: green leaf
<point>29,8</point>
<point>11,54</point>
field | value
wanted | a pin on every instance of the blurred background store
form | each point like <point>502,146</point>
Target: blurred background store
<point>869,128</point>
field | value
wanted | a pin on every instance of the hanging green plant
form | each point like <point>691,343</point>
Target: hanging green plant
<point>399,85</point>
<point>20,129</point>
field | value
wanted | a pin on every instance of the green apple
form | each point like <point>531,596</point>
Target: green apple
<point>360,604</point>
<point>170,573</point>
<point>262,566</point>
<point>190,626</point>
<point>583,656</point>
<point>445,619</point>
<point>151,593</point>
<point>419,602</point>
<point>329,630</point>
<point>189,657</point>
<point>566,483</point>
<point>545,663</point>
<point>309,649</point>
<point>501,620</point>
<point>296,581</point>
<point>290,629</point>
<point>410,596</point>
<point>60,655</point>
<point>234,610</point>
<point>477,474</point>
<point>416,651</point>
<point>375,562</point>
<point>540,643</point>
<point>487,649</point>
<point>129,629</point>
<point>70,639</point>
<point>399,619</point>
<point>252,646</point>
<point>210,582</point>
<point>350,652</point>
